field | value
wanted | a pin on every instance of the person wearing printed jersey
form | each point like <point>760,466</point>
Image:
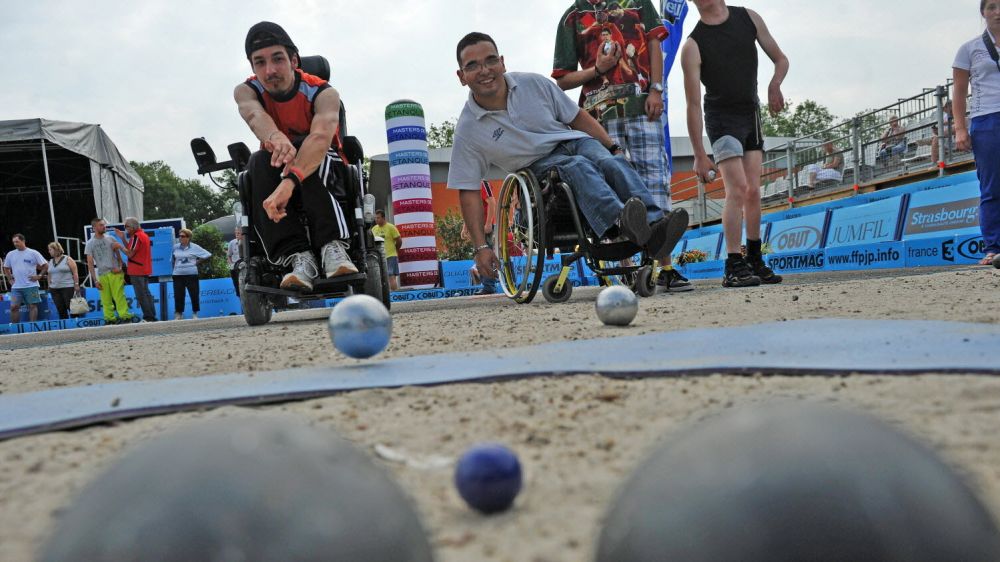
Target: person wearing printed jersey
<point>721,53</point>
<point>296,117</point>
<point>629,105</point>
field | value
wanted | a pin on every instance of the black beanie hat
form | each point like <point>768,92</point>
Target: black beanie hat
<point>268,34</point>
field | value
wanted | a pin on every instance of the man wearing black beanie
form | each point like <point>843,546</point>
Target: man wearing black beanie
<point>295,116</point>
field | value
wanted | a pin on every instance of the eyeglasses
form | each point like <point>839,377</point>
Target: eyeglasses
<point>491,63</point>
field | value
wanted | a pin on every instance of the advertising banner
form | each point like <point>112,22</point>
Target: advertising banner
<point>410,178</point>
<point>708,244</point>
<point>797,235</point>
<point>797,262</point>
<point>952,210</point>
<point>864,224</point>
<point>704,270</point>
<point>866,256</point>
<point>928,252</point>
<point>964,250</point>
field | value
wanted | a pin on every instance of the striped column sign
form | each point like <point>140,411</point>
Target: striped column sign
<point>410,177</point>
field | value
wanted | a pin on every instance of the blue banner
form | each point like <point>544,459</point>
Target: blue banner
<point>964,250</point>
<point>927,252</point>
<point>704,270</point>
<point>952,210</point>
<point>867,256</point>
<point>708,244</point>
<point>797,262</point>
<point>864,224</point>
<point>796,235</point>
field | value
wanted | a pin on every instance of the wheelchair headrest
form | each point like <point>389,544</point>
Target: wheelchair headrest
<point>317,65</point>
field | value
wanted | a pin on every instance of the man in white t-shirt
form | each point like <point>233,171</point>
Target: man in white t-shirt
<point>26,267</point>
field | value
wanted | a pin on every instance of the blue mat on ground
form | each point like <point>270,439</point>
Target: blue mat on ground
<point>800,347</point>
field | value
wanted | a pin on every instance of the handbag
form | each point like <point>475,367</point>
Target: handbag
<point>78,305</point>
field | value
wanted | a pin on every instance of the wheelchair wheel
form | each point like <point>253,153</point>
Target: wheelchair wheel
<point>520,236</point>
<point>256,306</point>
<point>376,280</point>
<point>644,285</point>
<point>549,290</point>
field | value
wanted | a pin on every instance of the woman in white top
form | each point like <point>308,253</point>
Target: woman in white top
<point>64,279</point>
<point>978,64</point>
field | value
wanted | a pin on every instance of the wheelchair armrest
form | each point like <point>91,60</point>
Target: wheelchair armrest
<point>353,150</point>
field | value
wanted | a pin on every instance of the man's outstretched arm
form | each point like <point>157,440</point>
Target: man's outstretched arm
<point>586,123</point>
<point>263,127</point>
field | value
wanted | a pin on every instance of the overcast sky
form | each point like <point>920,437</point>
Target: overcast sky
<point>155,73</point>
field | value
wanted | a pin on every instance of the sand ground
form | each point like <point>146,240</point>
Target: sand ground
<point>578,437</point>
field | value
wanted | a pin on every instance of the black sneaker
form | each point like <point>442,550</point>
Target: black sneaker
<point>632,222</point>
<point>673,282</point>
<point>760,269</point>
<point>739,274</point>
<point>666,233</point>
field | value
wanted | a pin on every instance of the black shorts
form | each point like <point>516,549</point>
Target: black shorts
<point>733,134</point>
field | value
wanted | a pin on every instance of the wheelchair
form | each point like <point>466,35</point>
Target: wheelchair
<point>536,218</point>
<point>259,278</point>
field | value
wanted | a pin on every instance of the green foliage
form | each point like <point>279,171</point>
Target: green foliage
<point>169,196</point>
<point>209,237</point>
<point>800,120</point>
<point>441,136</point>
<point>449,231</point>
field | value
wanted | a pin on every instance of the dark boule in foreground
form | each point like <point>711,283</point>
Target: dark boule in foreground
<point>795,481</point>
<point>241,489</point>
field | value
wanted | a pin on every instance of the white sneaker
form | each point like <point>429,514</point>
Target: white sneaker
<point>303,272</point>
<point>335,259</point>
<point>178,316</point>
<point>194,315</point>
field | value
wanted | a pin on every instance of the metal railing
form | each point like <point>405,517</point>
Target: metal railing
<point>852,153</point>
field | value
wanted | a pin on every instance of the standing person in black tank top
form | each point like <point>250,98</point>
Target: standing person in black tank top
<point>721,53</point>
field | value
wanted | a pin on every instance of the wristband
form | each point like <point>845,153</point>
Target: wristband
<point>483,247</point>
<point>291,175</point>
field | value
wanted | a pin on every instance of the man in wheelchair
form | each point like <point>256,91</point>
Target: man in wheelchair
<point>523,120</point>
<point>296,117</point>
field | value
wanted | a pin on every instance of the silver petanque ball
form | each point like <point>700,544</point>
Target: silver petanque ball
<point>360,326</point>
<point>617,306</point>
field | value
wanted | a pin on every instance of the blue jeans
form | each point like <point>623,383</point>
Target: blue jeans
<point>600,182</point>
<point>985,133</point>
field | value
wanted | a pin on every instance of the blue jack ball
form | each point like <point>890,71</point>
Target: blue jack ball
<point>360,326</point>
<point>488,477</point>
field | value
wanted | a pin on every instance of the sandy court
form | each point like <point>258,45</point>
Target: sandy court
<point>578,437</point>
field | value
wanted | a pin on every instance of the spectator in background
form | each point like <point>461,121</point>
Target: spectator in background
<point>893,141</point>
<point>977,65</point>
<point>105,267</point>
<point>186,257</point>
<point>140,264</point>
<point>64,279</point>
<point>26,267</point>
<point>831,168</point>
<point>233,258</point>
<point>393,243</point>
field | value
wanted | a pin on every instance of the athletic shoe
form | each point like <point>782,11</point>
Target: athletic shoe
<point>178,316</point>
<point>303,272</point>
<point>739,274</point>
<point>666,233</point>
<point>632,222</point>
<point>760,269</point>
<point>673,282</point>
<point>335,259</point>
<point>996,262</point>
<point>485,291</point>
<point>194,315</point>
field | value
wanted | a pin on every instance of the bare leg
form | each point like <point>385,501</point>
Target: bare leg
<point>751,197</point>
<point>734,176</point>
<point>33,312</point>
<point>393,283</point>
<point>15,311</point>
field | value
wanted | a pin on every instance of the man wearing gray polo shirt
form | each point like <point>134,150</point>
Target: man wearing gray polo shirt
<point>523,120</point>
